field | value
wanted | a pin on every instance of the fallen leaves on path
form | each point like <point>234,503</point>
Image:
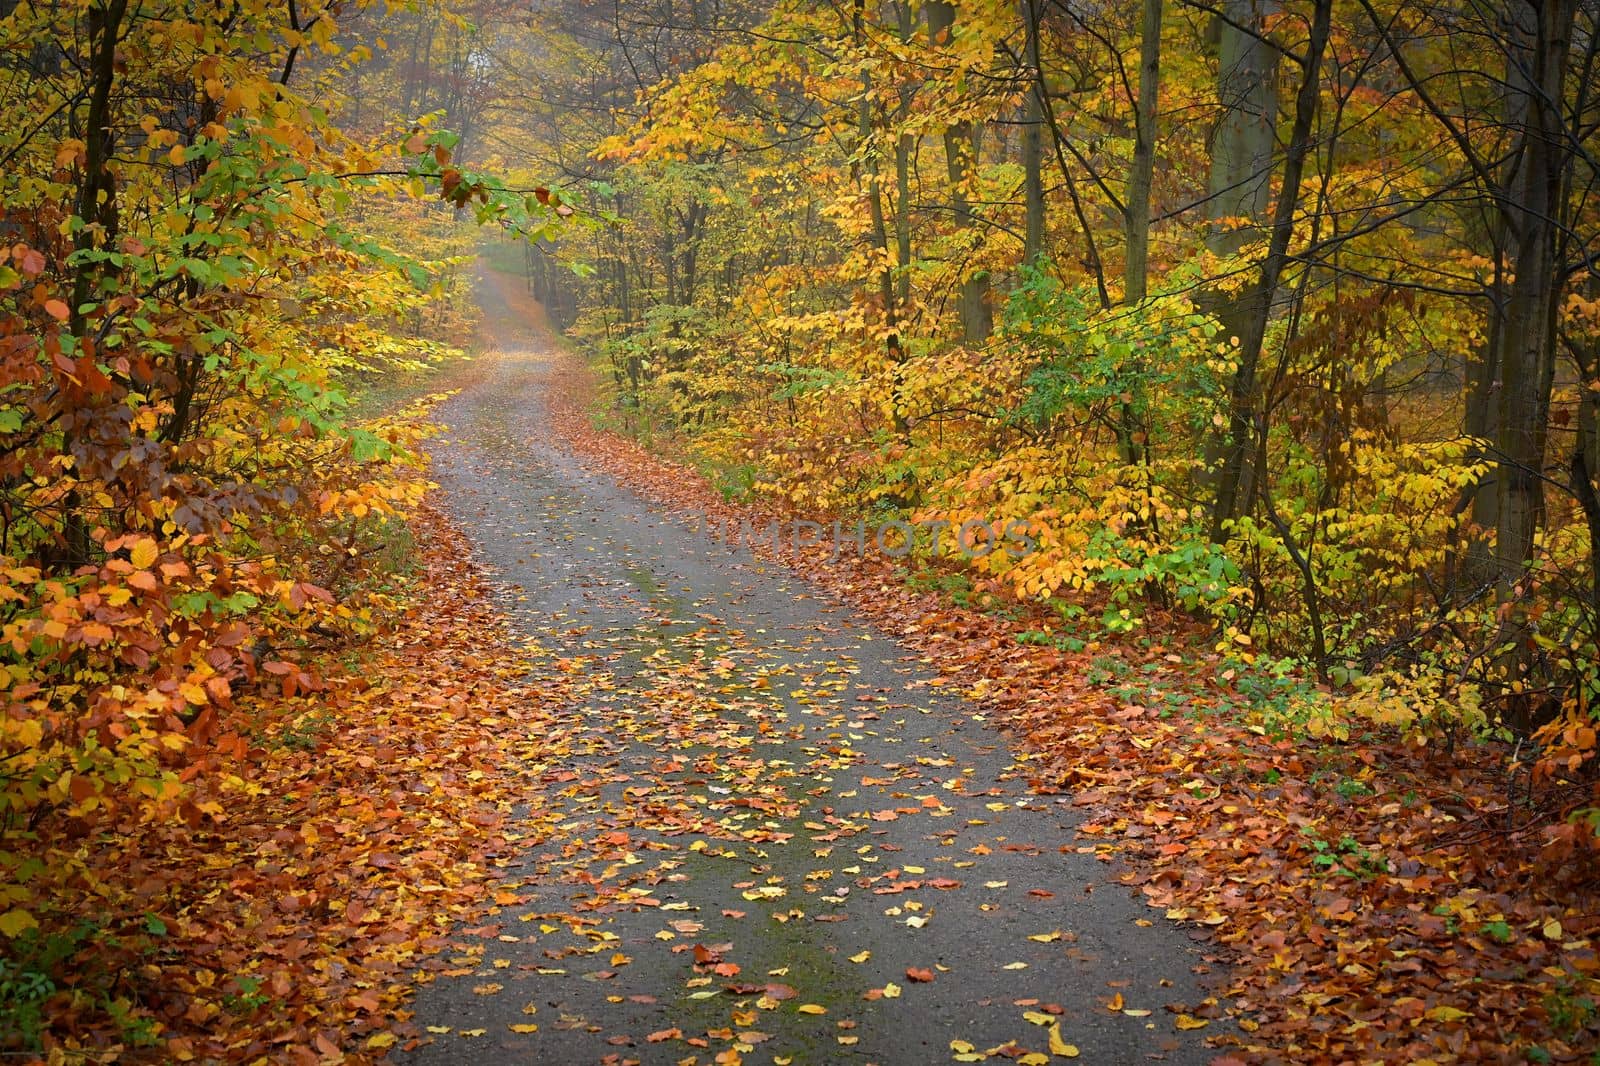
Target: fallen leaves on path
<point>1374,899</point>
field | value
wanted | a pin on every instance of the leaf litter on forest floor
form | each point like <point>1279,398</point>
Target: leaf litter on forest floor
<point>289,916</point>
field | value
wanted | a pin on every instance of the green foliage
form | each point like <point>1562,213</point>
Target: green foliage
<point>75,962</point>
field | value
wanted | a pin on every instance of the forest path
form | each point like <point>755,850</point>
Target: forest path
<point>756,792</point>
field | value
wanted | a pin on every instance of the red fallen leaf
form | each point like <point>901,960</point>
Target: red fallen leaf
<point>620,1041</point>
<point>57,310</point>
<point>704,955</point>
<point>726,969</point>
<point>921,975</point>
<point>1042,893</point>
<point>733,914</point>
<point>943,883</point>
<point>662,1035</point>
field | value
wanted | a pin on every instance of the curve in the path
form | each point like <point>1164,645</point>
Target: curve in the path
<point>768,815</point>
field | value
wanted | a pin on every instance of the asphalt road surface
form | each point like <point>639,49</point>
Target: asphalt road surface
<point>765,813</point>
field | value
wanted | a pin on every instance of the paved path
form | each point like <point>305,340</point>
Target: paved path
<point>757,793</point>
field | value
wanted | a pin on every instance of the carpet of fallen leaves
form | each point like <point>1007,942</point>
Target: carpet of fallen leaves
<point>331,843</point>
<point>1377,900</point>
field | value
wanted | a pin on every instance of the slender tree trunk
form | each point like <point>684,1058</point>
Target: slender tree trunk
<point>1032,141</point>
<point>903,146</point>
<point>961,155</point>
<point>869,171</point>
<point>97,211</point>
<point>1262,295</point>
<point>1132,440</point>
<point>97,195</point>
<point>1239,186</point>
<point>1136,216</point>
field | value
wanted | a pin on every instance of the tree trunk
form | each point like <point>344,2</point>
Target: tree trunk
<point>1132,439</point>
<point>1239,187</point>
<point>1527,349</point>
<point>1032,141</point>
<point>961,154</point>
<point>1257,303</point>
<point>1136,216</point>
<point>873,181</point>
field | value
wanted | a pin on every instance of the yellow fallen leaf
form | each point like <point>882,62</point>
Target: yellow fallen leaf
<point>526,1027</point>
<point>861,956</point>
<point>891,991</point>
<point>1047,938</point>
<point>1136,1012</point>
<point>1189,1021</point>
<point>1446,1014</point>
<point>1015,966</point>
<point>380,1041</point>
<point>1059,1045</point>
<point>438,1030</point>
<point>1552,930</point>
<point>811,1008</point>
<point>1038,1017</point>
<point>1035,1058</point>
<point>473,1032</point>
